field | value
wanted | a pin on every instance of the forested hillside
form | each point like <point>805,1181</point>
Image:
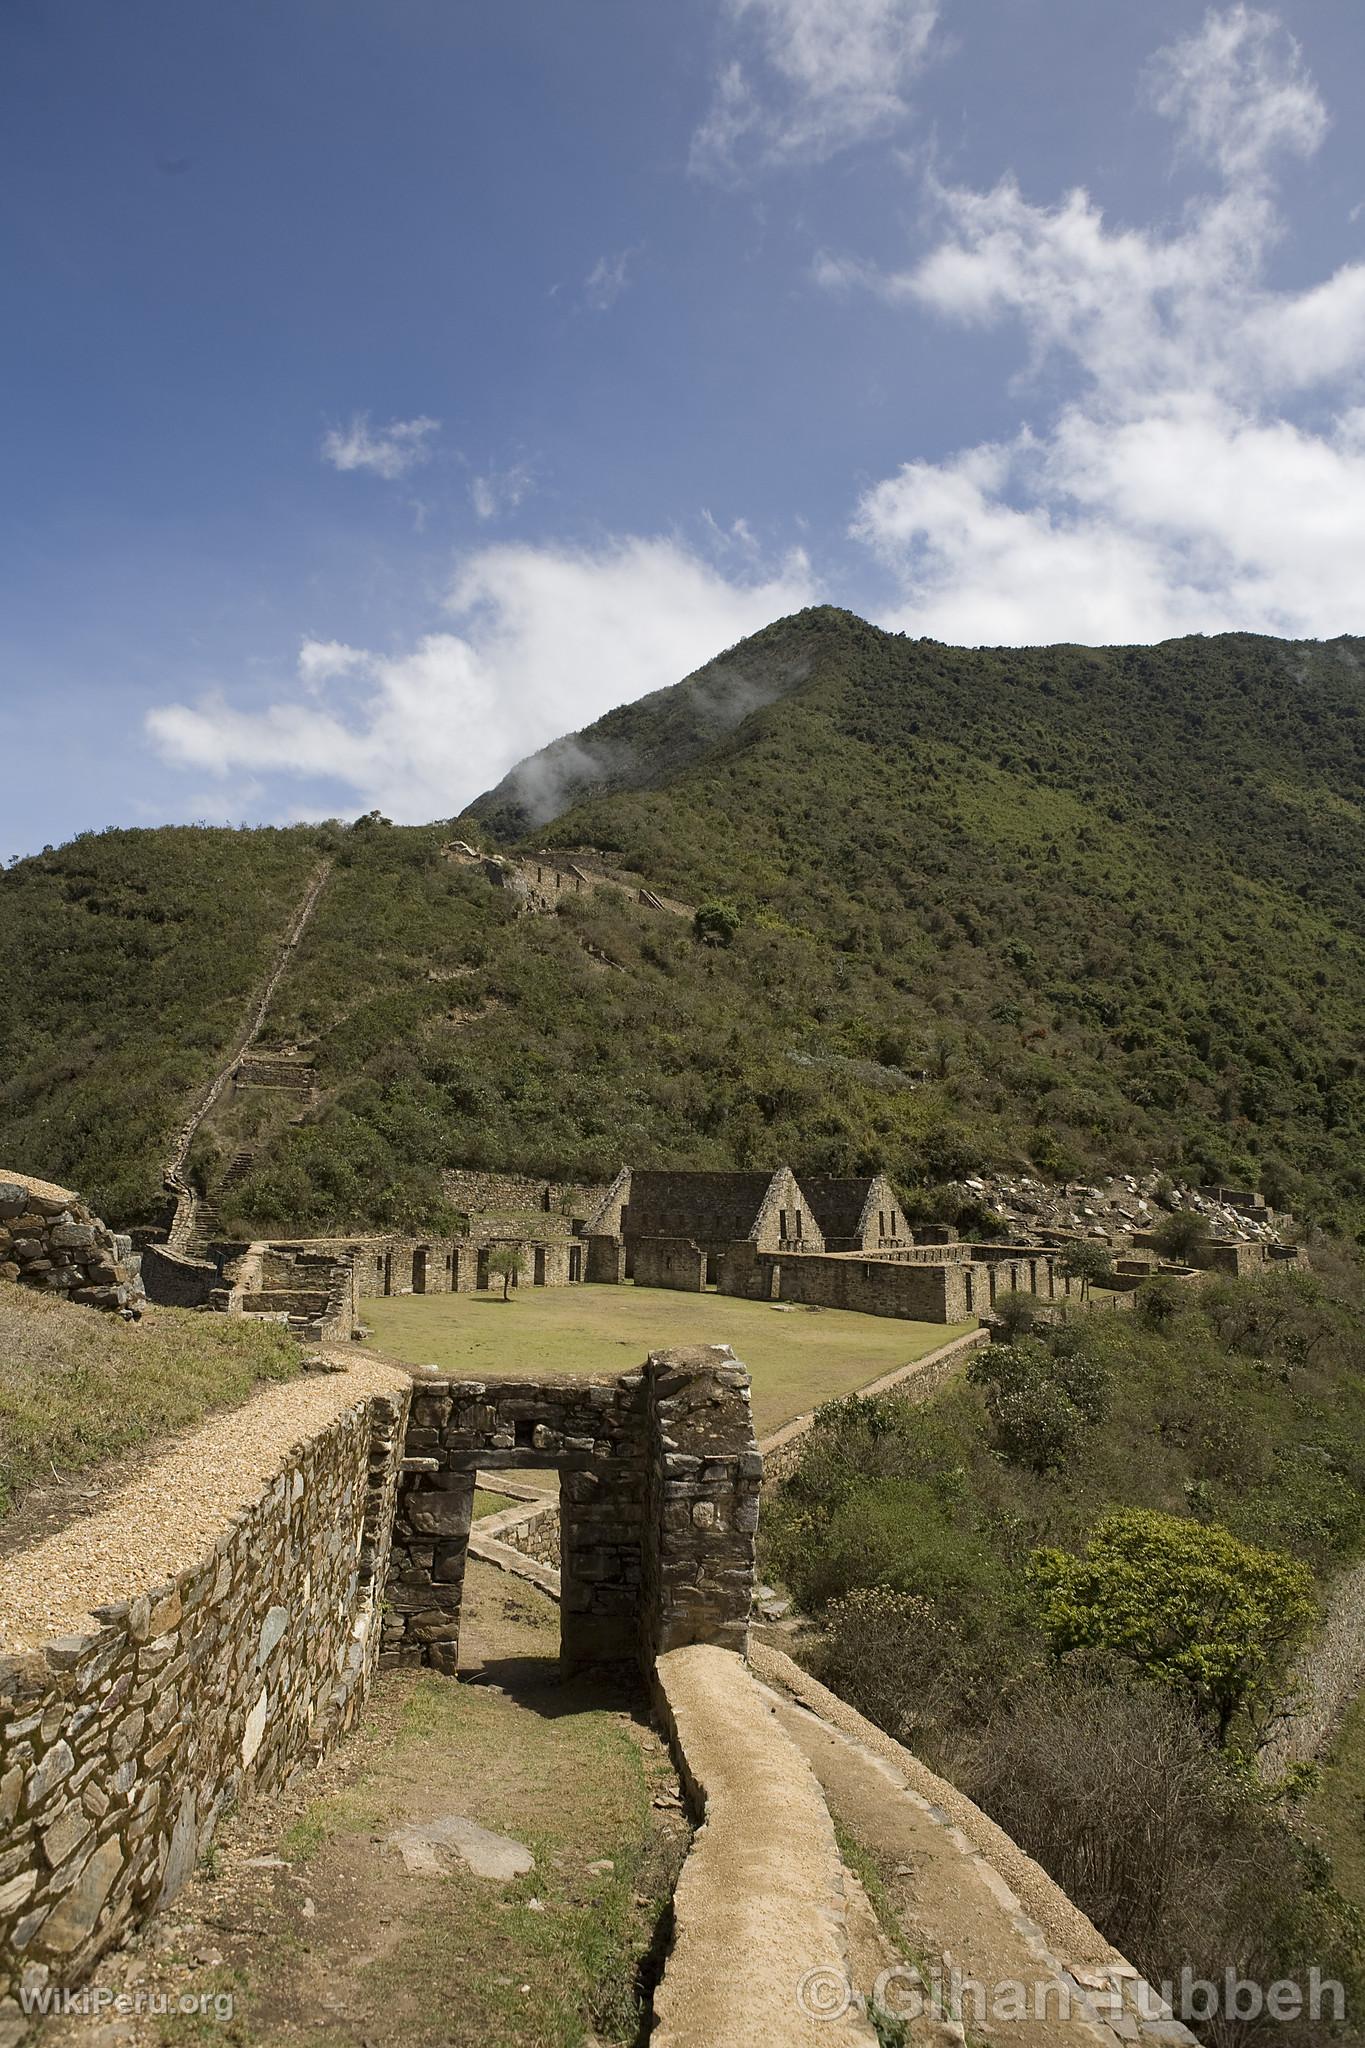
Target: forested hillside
<point>1108,903</point>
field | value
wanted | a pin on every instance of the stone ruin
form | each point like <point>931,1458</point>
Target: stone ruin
<point>50,1239</point>
<point>659,1483</point>
<point>119,1748</point>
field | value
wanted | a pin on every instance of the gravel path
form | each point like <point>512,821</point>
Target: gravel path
<point>165,1519</point>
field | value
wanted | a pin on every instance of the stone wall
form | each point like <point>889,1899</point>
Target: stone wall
<point>670,1262</point>
<point>606,1261</point>
<point>554,1257</point>
<point>939,1293</point>
<point>704,1472</point>
<point>659,1478</point>
<point>119,1749</point>
<point>534,1532</point>
<point>281,1072</point>
<point>1232,1255</point>
<point>49,1239</point>
<point>925,1284</point>
<point>479,1193</point>
<point>177,1280</point>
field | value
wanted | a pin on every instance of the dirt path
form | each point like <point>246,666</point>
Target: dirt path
<point>317,1926</point>
<point>186,1202</point>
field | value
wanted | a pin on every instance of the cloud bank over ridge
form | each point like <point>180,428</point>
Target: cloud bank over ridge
<point>544,639</point>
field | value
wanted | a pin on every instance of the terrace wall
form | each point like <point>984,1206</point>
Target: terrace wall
<point>119,1749</point>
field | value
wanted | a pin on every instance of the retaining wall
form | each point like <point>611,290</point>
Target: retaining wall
<point>760,1907</point>
<point>119,1749</point>
<point>918,1381</point>
<point>176,1279</point>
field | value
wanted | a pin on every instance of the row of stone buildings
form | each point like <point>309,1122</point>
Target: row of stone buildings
<point>821,1240</point>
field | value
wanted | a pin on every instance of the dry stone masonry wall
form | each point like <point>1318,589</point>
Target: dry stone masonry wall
<point>51,1240</point>
<point>120,1748</point>
<point>659,1480</point>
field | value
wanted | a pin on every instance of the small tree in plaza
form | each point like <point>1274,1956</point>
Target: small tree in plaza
<point>506,1261</point>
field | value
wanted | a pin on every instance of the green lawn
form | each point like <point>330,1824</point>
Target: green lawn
<point>798,1357</point>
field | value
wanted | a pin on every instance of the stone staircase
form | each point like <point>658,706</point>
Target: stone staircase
<point>236,1171</point>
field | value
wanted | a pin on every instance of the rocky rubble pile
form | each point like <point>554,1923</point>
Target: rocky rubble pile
<point>1121,1207</point>
<point>50,1239</point>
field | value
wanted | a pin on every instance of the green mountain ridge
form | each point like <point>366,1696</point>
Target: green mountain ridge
<point>1111,901</point>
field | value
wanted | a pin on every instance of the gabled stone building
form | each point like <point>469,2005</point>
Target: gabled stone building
<point>862,1214</point>
<point>648,1219</point>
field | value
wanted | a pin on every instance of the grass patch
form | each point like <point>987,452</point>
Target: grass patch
<point>1335,1818</point>
<point>486,1503</point>
<point>458,1961</point>
<point>77,1386</point>
<point>798,1358</point>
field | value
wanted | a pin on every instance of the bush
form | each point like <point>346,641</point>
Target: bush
<point>1187,1603</point>
<point>1181,1235</point>
<point>715,924</point>
<point>1180,1861</point>
<point>1016,1313</point>
<point>1039,1398</point>
<point>897,1533</point>
<point>891,1655</point>
<point>1160,1300</point>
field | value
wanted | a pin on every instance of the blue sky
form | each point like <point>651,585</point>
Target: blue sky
<point>390,385</point>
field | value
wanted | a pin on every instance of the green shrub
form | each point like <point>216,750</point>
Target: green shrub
<point>1187,1603</point>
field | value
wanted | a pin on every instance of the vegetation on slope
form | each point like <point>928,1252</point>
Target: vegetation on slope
<point>1095,1649</point>
<point>127,966</point>
<point>1108,903</point>
<point>76,1387</point>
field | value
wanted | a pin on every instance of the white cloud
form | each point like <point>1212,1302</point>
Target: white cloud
<point>1174,490</point>
<point>320,661</point>
<point>832,75</point>
<point>387,451</point>
<point>500,491</point>
<point>1240,91</point>
<point>606,281</point>
<point>545,639</point>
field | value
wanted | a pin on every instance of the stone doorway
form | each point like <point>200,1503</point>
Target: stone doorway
<point>652,1553</point>
<point>419,1270</point>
